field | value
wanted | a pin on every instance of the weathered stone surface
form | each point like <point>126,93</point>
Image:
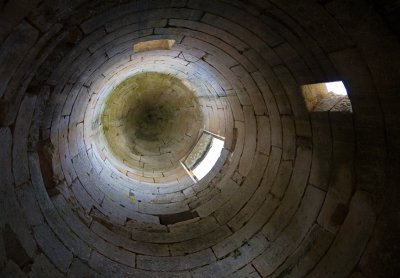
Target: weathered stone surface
<point>67,237</point>
<point>52,247</point>
<point>5,157</point>
<point>42,267</point>
<point>234,261</point>
<point>79,269</point>
<point>293,234</point>
<point>29,205</point>
<point>14,249</point>
<point>20,147</point>
<point>130,245</point>
<point>199,243</point>
<point>246,272</point>
<point>12,270</point>
<point>339,193</point>
<point>307,255</point>
<point>230,208</point>
<point>244,234</point>
<point>13,50</point>
<point>322,150</point>
<point>112,269</point>
<point>10,212</point>
<point>3,256</point>
<point>176,263</point>
<point>351,240</point>
<point>292,196</point>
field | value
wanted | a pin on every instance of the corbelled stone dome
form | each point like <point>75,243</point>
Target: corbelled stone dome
<point>110,108</point>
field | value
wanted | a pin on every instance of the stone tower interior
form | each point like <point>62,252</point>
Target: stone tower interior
<point>199,138</point>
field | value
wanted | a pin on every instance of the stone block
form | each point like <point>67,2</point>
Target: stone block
<point>199,243</point>
<point>246,160</point>
<point>340,188</point>
<point>29,205</point>
<point>296,63</point>
<point>282,179</point>
<point>351,240</point>
<point>87,176</point>
<point>71,240</point>
<point>178,233</point>
<point>248,22</point>
<point>179,263</point>
<point>3,256</point>
<point>293,195</point>
<point>238,259</point>
<point>14,50</point>
<point>12,270</point>
<point>292,92</point>
<point>322,148</point>
<point>110,268</point>
<point>293,234</point>
<point>241,197</point>
<point>227,189</point>
<point>10,212</point>
<point>79,269</point>
<point>246,272</point>
<point>116,254</point>
<point>263,135</point>
<point>42,267</point>
<point>52,247</point>
<point>252,90</point>
<point>5,156</point>
<point>289,138</point>
<point>208,29</point>
<point>130,245</point>
<point>245,233</point>
<point>306,255</point>
<point>83,198</point>
<point>235,107</point>
<point>260,196</point>
<point>20,157</point>
<point>342,127</point>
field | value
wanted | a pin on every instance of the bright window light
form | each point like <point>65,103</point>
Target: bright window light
<point>337,88</point>
<point>209,160</point>
<point>204,155</point>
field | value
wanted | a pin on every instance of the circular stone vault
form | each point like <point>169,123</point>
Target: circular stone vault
<point>147,120</point>
<point>102,103</point>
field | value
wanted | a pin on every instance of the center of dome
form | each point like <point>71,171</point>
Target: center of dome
<point>151,120</point>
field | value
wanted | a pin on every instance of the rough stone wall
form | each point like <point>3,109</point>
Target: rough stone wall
<point>295,194</point>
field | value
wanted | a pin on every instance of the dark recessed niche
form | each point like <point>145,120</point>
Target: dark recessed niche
<point>177,217</point>
<point>153,45</point>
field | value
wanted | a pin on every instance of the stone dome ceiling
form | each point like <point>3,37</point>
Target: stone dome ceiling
<point>102,101</point>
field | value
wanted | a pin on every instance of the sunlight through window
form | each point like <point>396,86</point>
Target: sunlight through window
<point>337,88</point>
<point>209,160</point>
<point>203,156</point>
<point>327,96</point>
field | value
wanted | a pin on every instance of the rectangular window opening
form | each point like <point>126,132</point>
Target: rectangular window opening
<point>329,96</point>
<point>203,156</point>
<point>153,45</point>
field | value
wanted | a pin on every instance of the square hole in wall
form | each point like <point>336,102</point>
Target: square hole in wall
<point>203,156</point>
<point>153,45</point>
<point>330,96</point>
